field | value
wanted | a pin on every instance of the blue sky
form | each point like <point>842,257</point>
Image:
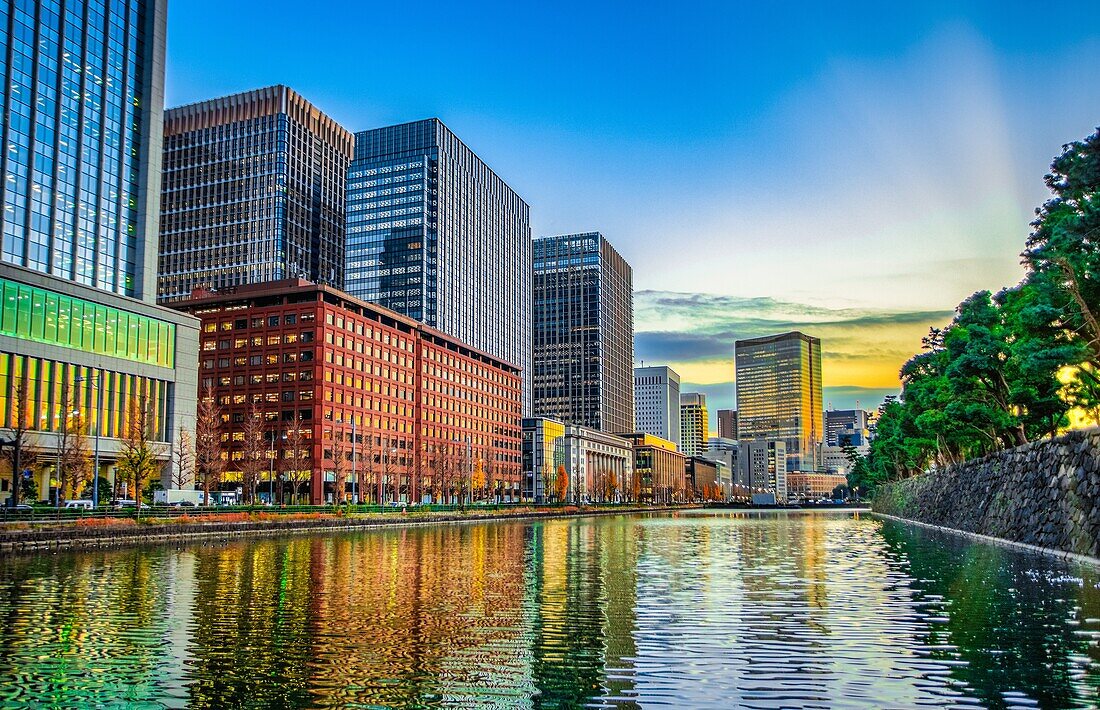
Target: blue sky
<point>853,171</point>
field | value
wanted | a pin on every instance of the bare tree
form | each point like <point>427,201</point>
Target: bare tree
<point>253,452</point>
<point>183,459</point>
<point>137,460</point>
<point>209,463</point>
<point>338,454</point>
<point>293,464</point>
<point>18,452</point>
<point>74,460</point>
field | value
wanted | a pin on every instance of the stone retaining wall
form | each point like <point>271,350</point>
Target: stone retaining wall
<point>1045,494</point>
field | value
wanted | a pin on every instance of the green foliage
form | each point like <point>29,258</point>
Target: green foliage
<point>996,376</point>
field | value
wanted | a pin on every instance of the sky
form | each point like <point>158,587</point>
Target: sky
<point>852,171</point>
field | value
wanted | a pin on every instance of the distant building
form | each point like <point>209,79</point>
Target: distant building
<point>434,234</point>
<point>807,487</point>
<point>726,452</point>
<point>253,191</point>
<point>366,390</point>
<point>703,479</point>
<point>597,466</point>
<point>694,423</point>
<point>847,427</point>
<point>657,402</point>
<point>834,459</point>
<point>764,464</point>
<point>583,333</point>
<point>727,423</point>
<point>659,469</point>
<point>779,395</point>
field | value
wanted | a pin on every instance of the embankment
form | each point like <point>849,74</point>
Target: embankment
<point>1045,494</point>
<point>129,532</point>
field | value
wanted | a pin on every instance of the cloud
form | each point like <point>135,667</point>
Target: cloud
<point>695,334</point>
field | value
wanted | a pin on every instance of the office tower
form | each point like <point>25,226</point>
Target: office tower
<point>657,402</point>
<point>583,333</point>
<point>79,330</point>
<point>779,394</point>
<point>660,471</point>
<point>694,423</point>
<point>727,423</point>
<point>435,235</point>
<point>395,401</point>
<point>764,466</point>
<point>846,427</point>
<point>253,191</point>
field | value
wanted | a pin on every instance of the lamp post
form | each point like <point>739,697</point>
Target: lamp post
<point>98,385</point>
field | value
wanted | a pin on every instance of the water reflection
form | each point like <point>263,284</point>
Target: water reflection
<point>698,610</point>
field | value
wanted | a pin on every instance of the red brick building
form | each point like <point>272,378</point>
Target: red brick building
<point>349,391</point>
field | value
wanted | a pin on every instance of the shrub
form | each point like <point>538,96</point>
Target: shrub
<point>105,522</point>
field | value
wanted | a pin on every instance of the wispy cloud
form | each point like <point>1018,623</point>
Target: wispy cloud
<point>696,332</point>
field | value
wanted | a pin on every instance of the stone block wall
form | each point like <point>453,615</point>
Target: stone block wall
<point>1046,493</point>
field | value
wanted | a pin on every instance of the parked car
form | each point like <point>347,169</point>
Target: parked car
<point>81,504</point>
<point>21,508</point>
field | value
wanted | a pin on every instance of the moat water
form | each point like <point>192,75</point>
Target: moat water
<point>701,609</point>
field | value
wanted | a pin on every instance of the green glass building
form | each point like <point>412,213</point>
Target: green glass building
<point>80,187</point>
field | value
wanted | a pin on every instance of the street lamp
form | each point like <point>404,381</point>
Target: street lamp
<point>98,385</point>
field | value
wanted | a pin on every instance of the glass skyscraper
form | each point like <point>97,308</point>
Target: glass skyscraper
<point>254,190</point>
<point>583,333</point>
<point>778,381</point>
<point>80,183</point>
<point>434,234</point>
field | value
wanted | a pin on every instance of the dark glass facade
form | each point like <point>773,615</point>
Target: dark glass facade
<point>82,109</point>
<point>253,191</point>
<point>80,90</point>
<point>434,234</point>
<point>583,334</point>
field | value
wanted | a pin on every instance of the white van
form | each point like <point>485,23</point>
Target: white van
<point>81,504</point>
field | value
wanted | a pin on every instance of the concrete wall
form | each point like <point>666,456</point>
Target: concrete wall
<point>1046,493</point>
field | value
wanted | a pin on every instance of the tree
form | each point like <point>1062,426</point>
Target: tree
<point>137,460</point>
<point>183,459</point>
<point>477,478</point>
<point>17,451</point>
<point>547,481</point>
<point>74,459</point>
<point>339,465</point>
<point>209,463</point>
<point>293,464</point>
<point>1063,249</point>
<point>561,483</point>
<point>253,452</point>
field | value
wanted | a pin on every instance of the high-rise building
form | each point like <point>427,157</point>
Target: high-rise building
<point>657,402</point>
<point>436,235</point>
<point>391,403</point>
<point>253,191</point>
<point>583,333</point>
<point>80,183</point>
<point>846,427</point>
<point>727,423</point>
<point>779,395</point>
<point>694,423</point>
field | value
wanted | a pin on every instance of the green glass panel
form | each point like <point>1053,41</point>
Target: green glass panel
<point>64,317</point>
<point>38,314</point>
<point>23,317</point>
<point>11,298</point>
<point>50,334</point>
